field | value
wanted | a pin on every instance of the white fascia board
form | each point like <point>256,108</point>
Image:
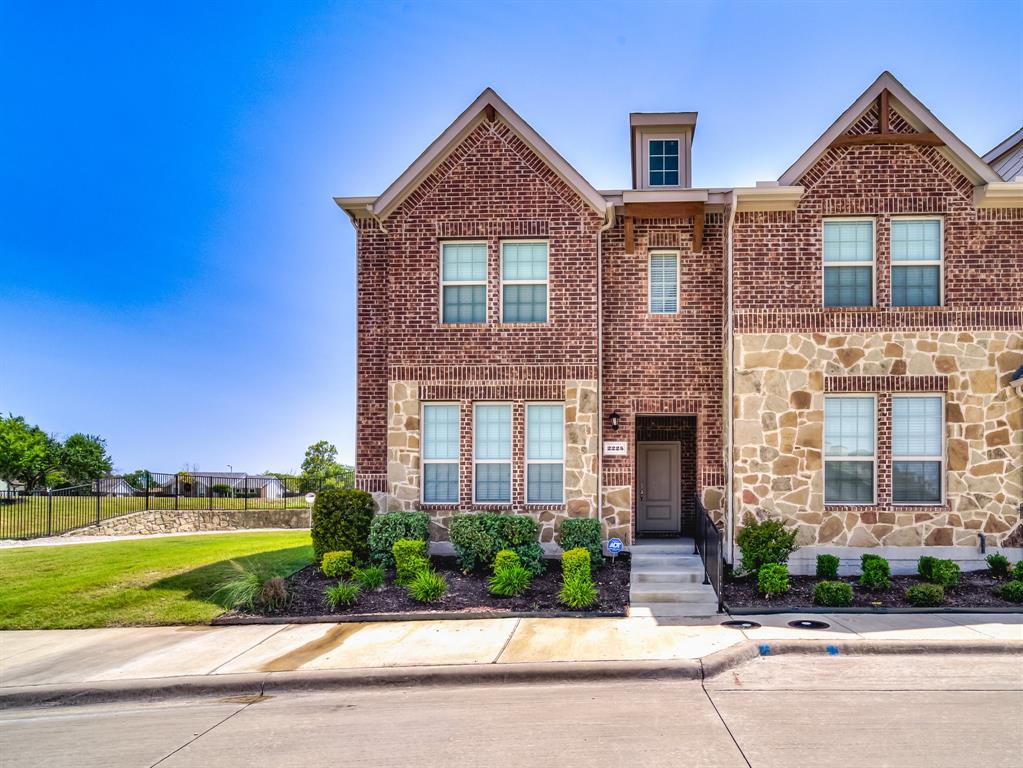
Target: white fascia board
<point>768,198</point>
<point>664,196</point>
<point>976,169</point>
<point>1000,194</point>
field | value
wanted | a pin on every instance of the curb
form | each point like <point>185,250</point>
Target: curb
<point>351,618</point>
<point>257,684</point>
<point>865,611</point>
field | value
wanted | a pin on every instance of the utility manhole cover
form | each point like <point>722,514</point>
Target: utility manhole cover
<point>740,624</point>
<point>808,624</point>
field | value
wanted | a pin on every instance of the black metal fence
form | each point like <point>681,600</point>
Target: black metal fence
<point>49,512</point>
<point>710,546</point>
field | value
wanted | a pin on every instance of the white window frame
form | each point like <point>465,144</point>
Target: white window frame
<point>528,462</point>
<point>547,282</point>
<point>847,264</point>
<point>511,453</point>
<point>452,283</point>
<point>681,139</point>
<point>825,458</point>
<point>422,452</point>
<point>650,280</point>
<point>942,458</point>
<point>892,264</point>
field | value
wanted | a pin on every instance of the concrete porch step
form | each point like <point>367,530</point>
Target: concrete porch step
<point>676,610</point>
<point>662,547</point>
<point>666,575</point>
<point>684,562</point>
<point>685,592</point>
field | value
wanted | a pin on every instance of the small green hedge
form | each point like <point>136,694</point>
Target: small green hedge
<point>834,594</point>
<point>577,588</point>
<point>924,565</point>
<point>1012,590</point>
<point>773,580</point>
<point>337,564</point>
<point>409,560</point>
<point>763,543</point>
<point>586,533</point>
<point>827,567</point>
<point>876,574</point>
<point>998,565</point>
<point>389,528</point>
<point>341,521</point>
<point>477,538</point>
<point>925,595</point>
<point>946,573</point>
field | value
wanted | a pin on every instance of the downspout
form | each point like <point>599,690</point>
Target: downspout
<point>609,221</point>
<point>729,386</point>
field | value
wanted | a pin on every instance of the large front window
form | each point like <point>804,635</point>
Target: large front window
<point>492,449</point>
<point>545,453</point>
<point>440,453</point>
<point>463,279</point>
<point>917,449</point>
<point>849,450</point>
<point>848,263</point>
<point>524,282</point>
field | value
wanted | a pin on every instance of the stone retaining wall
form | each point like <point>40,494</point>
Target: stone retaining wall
<point>190,520</point>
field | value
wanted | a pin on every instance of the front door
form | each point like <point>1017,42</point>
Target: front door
<point>658,487</point>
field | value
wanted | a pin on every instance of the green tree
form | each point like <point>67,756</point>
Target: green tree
<point>319,467</point>
<point>140,478</point>
<point>27,454</point>
<point>84,458</point>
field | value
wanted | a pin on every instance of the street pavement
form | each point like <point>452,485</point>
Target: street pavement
<point>937,711</point>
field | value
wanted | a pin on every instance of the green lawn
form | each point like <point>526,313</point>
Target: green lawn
<point>32,516</point>
<point>133,583</point>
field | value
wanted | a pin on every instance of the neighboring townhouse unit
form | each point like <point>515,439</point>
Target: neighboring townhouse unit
<point>834,349</point>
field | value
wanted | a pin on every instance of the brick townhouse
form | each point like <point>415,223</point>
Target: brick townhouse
<point>838,348</point>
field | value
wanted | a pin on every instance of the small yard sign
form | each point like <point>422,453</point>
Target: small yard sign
<point>310,498</point>
<point>616,448</point>
<point>614,546</point>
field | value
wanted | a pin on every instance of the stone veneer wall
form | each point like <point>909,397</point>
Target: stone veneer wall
<point>780,383</point>
<point>403,451</point>
<point>190,520</point>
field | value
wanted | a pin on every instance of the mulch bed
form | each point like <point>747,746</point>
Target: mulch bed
<point>976,590</point>
<point>465,594</point>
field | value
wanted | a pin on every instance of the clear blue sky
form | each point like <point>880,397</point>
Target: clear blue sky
<point>173,272</point>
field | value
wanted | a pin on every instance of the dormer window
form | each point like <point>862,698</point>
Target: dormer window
<point>662,160</point>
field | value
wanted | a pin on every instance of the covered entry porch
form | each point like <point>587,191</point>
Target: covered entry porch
<point>666,458</point>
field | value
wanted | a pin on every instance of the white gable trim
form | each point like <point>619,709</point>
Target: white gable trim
<point>965,158</point>
<point>434,154</point>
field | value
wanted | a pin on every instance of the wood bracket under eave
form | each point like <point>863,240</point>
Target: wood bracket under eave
<point>884,134</point>
<point>664,210</point>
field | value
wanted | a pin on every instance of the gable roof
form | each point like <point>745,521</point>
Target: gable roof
<point>1007,158</point>
<point>488,105</point>
<point>975,169</point>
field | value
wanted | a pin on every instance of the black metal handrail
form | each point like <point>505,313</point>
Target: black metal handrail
<point>709,545</point>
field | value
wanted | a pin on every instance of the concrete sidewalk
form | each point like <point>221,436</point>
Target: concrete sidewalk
<point>54,658</point>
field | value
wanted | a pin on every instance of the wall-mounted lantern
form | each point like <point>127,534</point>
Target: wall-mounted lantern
<point>616,419</point>
<point>1017,381</point>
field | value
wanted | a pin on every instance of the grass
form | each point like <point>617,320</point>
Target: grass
<point>136,583</point>
<point>28,516</point>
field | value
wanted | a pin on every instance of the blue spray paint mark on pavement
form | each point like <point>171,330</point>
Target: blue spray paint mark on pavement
<point>765,649</point>
<point>832,650</point>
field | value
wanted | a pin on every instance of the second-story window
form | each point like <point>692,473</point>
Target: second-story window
<point>916,262</point>
<point>492,449</point>
<point>662,159</point>
<point>663,283</point>
<point>848,263</point>
<point>524,282</point>
<point>463,281</point>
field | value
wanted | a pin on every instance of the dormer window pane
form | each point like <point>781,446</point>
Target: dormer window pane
<point>663,162</point>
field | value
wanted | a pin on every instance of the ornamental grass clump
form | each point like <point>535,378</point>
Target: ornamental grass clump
<point>577,588</point>
<point>876,574</point>
<point>833,594</point>
<point>344,593</point>
<point>251,589</point>
<point>773,580</point>
<point>509,578</point>
<point>427,586</point>
<point>409,560</point>
<point>827,567</point>
<point>370,578</point>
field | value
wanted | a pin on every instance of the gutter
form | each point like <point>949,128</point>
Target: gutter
<point>729,384</point>
<point>609,221</point>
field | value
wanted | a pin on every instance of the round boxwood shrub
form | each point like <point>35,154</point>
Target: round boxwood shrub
<point>341,521</point>
<point>827,567</point>
<point>945,573</point>
<point>834,594</point>
<point>924,565</point>
<point>772,580</point>
<point>925,595</point>
<point>998,565</point>
<point>394,526</point>
<point>876,574</point>
<point>1012,591</point>
<point>762,543</point>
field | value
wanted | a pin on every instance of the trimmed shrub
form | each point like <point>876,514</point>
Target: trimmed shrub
<point>341,520</point>
<point>827,567</point>
<point>343,593</point>
<point>835,594</point>
<point>763,543</point>
<point>427,586</point>
<point>1012,591</point>
<point>370,578</point>
<point>1017,571</point>
<point>577,588</point>
<point>772,580</point>
<point>409,560</point>
<point>477,538</point>
<point>583,532</point>
<point>337,564</point>
<point>509,577</point>
<point>876,574</point>
<point>392,527</point>
<point>998,565</point>
<point>946,573</point>
<point>924,565</point>
<point>925,595</point>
